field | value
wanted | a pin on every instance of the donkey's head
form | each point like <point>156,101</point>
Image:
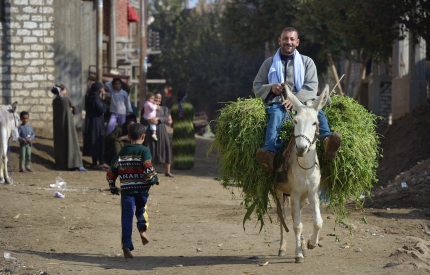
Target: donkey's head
<point>306,120</point>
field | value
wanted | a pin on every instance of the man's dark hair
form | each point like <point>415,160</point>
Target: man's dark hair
<point>290,29</point>
<point>23,113</point>
<point>136,131</point>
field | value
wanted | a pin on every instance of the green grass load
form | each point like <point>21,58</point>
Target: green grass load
<point>240,131</point>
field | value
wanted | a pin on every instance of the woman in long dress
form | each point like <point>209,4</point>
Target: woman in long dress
<point>184,141</point>
<point>94,135</point>
<point>66,145</point>
<point>161,150</point>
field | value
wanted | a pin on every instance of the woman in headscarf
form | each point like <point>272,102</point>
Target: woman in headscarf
<point>118,138</point>
<point>184,142</point>
<point>94,135</point>
<point>66,145</point>
<point>161,150</point>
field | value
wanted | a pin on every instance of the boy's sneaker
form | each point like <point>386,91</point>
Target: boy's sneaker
<point>154,137</point>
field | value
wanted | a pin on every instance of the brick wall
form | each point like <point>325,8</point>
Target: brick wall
<point>27,52</point>
<point>121,18</point>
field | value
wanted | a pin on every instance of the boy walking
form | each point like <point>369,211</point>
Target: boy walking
<point>136,174</point>
<point>26,136</point>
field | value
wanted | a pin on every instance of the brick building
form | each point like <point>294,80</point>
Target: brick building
<point>47,42</point>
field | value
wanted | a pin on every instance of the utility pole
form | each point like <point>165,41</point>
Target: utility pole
<point>100,40</point>
<point>142,76</point>
<point>112,35</point>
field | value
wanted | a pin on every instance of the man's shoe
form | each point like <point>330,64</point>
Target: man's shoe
<point>331,145</point>
<point>265,158</point>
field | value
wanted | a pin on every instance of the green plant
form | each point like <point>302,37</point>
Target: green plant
<point>240,131</point>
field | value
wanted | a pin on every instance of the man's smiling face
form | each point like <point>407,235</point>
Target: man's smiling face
<point>288,42</point>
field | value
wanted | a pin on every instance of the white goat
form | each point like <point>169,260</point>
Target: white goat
<point>303,174</point>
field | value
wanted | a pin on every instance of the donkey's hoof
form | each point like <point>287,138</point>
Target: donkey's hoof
<point>281,253</point>
<point>299,260</point>
<point>311,246</point>
<point>2,181</point>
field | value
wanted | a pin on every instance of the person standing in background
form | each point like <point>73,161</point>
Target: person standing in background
<point>94,135</point>
<point>26,137</point>
<point>161,150</point>
<point>66,144</point>
<point>168,99</point>
<point>118,138</point>
<point>184,141</point>
<point>120,106</point>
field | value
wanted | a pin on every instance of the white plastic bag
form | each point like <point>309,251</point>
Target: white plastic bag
<point>59,183</point>
<point>59,195</point>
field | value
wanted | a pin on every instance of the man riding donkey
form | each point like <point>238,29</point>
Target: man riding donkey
<point>299,72</point>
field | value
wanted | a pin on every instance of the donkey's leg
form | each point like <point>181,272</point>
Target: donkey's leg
<point>298,226</point>
<point>318,222</point>
<point>281,215</point>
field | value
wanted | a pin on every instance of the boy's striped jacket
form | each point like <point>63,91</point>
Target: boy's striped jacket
<point>134,168</point>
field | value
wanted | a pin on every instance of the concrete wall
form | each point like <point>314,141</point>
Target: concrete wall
<point>46,42</point>
<point>409,83</point>
<point>27,51</point>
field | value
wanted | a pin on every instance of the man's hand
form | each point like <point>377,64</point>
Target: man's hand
<point>277,88</point>
<point>287,103</point>
<point>125,138</point>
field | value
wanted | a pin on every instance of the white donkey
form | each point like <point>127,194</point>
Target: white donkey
<point>9,122</point>
<point>303,174</point>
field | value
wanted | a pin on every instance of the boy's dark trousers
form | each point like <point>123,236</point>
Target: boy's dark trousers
<point>132,204</point>
<point>25,156</point>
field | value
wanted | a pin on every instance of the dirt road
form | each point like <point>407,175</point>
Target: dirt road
<point>195,228</point>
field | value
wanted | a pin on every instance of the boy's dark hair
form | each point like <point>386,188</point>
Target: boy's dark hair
<point>23,113</point>
<point>136,131</point>
<point>149,94</point>
<point>115,79</point>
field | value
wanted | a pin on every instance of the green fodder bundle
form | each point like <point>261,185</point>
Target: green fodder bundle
<point>240,131</point>
<point>352,173</point>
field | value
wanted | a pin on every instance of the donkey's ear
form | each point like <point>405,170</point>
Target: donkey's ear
<point>294,100</point>
<point>322,99</point>
<point>15,106</point>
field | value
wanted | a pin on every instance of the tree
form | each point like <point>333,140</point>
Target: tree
<point>331,27</point>
<point>197,57</point>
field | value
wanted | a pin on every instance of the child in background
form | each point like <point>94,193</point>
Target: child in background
<point>120,105</point>
<point>26,136</point>
<point>150,112</point>
<point>134,168</point>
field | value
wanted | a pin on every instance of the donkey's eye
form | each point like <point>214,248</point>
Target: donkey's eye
<point>314,124</point>
<point>295,121</point>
